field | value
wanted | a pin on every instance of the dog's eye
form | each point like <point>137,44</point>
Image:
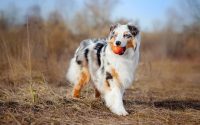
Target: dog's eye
<point>127,35</point>
<point>113,35</point>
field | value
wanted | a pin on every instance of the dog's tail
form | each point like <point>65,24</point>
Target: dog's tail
<point>73,71</point>
<point>77,61</point>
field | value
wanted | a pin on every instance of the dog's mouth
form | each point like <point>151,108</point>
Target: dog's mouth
<point>123,51</point>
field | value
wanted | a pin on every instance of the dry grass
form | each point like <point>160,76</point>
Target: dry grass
<point>166,92</point>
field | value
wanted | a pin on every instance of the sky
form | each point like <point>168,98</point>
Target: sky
<point>144,11</point>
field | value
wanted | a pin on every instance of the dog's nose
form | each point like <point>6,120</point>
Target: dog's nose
<point>118,43</point>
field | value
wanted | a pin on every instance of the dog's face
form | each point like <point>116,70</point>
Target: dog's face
<point>122,37</point>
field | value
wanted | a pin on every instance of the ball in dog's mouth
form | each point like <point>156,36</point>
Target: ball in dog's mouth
<point>119,50</point>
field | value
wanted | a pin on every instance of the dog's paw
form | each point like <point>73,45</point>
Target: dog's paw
<point>121,112</point>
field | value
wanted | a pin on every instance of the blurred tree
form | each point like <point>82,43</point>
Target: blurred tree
<point>193,9</point>
<point>34,15</point>
<point>66,8</point>
<point>12,15</point>
<point>95,16</point>
<point>3,21</point>
<point>9,18</point>
<point>57,33</point>
<point>100,10</point>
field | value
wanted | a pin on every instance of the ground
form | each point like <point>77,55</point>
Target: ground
<point>165,92</point>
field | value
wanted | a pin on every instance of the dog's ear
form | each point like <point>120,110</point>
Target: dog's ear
<point>112,27</point>
<point>133,29</point>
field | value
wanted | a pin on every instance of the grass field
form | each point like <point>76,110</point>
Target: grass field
<point>165,92</point>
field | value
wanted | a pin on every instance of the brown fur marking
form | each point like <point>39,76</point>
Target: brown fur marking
<point>112,40</point>
<point>130,44</point>
<point>106,85</point>
<point>116,76</point>
<point>97,93</point>
<point>111,43</point>
<point>84,79</point>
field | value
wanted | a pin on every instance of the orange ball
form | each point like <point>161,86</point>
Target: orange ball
<point>118,50</point>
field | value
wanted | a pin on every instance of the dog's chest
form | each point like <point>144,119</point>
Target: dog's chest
<point>125,70</point>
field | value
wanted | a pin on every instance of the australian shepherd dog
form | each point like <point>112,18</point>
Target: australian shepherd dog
<point>110,63</point>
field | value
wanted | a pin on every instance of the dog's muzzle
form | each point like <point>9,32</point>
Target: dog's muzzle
<point>121,49</point>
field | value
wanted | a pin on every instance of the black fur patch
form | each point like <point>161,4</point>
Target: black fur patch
<point>104,49</point>
<point>108,76</point>
<point>99,47</point>
<point>78,61</point>
<point>86,54</point>
<point>135,47</point>
<point>133,29</point>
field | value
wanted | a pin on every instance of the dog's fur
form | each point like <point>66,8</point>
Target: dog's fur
<point>111,73</point>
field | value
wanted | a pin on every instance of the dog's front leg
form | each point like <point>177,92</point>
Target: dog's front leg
<point>114,99</point>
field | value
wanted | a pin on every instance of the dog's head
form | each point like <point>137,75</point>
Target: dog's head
<point>122,37</point>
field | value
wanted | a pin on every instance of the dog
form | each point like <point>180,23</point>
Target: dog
<point>110,63</point>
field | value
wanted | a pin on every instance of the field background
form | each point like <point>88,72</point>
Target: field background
<point>35,51</point>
